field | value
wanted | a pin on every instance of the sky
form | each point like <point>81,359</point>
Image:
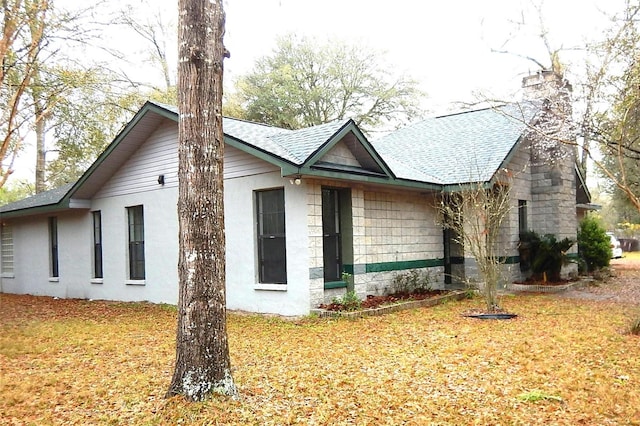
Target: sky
<point>445,45</point>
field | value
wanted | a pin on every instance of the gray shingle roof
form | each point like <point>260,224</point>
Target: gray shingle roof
<point>46,198</point>
<point>458,148</point>
<point>304,142</point>
<point>294,146</point>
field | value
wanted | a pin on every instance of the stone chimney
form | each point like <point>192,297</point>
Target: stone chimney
<point>553,156</point>
<point>544,85</point>
<point>553,135</point>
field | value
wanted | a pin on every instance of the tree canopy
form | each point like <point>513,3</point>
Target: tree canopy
<point>304,83</point>
<point>23,35</point>
<point>614,113</point>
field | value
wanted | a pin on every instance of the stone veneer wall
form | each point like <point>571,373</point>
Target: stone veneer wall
<point>402,233</point>
<point>392,232</point>
<point>520,181</point>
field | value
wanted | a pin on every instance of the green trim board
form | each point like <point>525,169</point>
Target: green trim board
<point>39,210</point>
<point>416,264</point>
<point>259,153</point>
<point>335,284</point>
<point>403,265</point>
<point>509,260</point>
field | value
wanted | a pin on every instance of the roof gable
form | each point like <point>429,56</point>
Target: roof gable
<point>348,143</point>
<point>340,153</point>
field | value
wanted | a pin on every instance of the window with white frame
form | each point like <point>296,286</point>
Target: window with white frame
<point>97,244</point>
<point>272,256</point>
<point>135,216</point>
<point>6,249</point>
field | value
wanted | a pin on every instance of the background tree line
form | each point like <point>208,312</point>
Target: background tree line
<point>72,101</point>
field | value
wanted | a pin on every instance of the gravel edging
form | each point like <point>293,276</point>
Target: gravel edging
<point>575,285</point>
<point>383,310</point>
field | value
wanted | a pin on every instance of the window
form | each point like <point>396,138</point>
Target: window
<point>272,256</point>
<point>6,249</point>
<point>53,247</point>
<point>331,235</point>
<point>522,216</point>
<point>136,242</point>
<point>97,244</point>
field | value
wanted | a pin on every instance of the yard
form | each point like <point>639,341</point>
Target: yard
<point>565,360</point>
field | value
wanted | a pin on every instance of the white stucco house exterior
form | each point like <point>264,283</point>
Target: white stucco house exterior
<point>301,208</point>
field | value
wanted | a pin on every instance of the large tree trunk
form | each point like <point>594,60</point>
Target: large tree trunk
<point>202,352</point>
<point>41,150</point>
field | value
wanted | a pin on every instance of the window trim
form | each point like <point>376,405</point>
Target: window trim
<point>263,282</point>
<point>137,228</point>
<point>523,220</point>
<point>98,265</point>
<point>54,260</point>
<point>335,233</point>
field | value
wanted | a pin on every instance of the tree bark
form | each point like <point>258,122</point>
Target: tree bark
<point>202,353</point>
<point>40,130</point>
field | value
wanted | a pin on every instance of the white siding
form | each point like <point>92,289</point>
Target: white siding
<point>243,290</point>
<point>160,247</point>
<point>31,257</point>
<point>238,164</point>
<point>159,156</point>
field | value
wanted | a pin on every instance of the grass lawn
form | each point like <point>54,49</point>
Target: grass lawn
<point>561,362</point>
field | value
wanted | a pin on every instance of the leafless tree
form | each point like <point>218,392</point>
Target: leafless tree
<point>475,213</point>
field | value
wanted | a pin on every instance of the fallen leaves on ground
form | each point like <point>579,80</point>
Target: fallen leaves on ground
<point>562,361</point>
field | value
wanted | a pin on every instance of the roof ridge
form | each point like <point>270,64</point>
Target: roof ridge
<point>474,110</point>
<point>174,108</point>
<point>242,120</point>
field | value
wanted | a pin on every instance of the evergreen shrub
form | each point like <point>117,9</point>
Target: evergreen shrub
<point>594,245</point>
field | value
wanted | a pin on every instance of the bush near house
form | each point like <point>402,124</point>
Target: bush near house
<point>547,254</point>
<point>594,246</point>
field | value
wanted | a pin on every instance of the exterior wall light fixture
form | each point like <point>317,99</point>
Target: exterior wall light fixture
<point>295,180</point>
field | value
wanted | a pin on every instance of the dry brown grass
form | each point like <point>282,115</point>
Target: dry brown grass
<point>562,362</point>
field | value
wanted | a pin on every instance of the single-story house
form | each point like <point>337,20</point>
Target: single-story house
<point>302,207</point>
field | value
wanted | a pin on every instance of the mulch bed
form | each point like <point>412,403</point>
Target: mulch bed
<point>372,302</point>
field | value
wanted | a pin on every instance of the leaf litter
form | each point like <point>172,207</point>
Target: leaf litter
<point>77,362</point>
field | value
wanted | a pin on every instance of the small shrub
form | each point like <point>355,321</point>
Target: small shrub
<point>470,293</point>
<point>547,254</point>
<point>349,302</point>
<point>594,245</point>
<point>413,281</point>
<point>348,278</point>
